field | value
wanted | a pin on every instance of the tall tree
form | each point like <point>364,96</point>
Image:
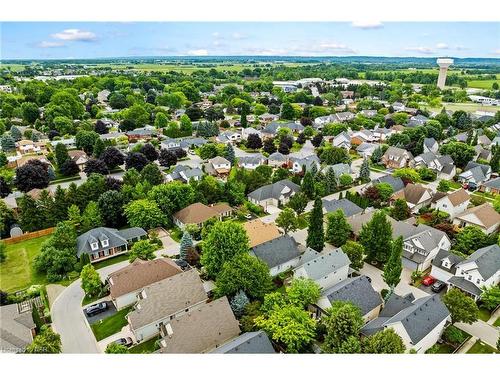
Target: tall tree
<point>338,229</point>
<point>384,342</point>
<point>46,342</point>
<point>33,174</point>
<point>308,185</point>
<point>394,266</point>
<point>331,182</point>
<point>91,281</point>
<point>364,171</point>
<point>142,249</point>
<point>356,254</point>
<point>315,233</point>
<point>298,202</point>
<point>61,154</point>
<point>462,308</point>
<point>287,220</point>
<point>225,240</point>
<point>186,243</point>
<point>229,153</point>
<point>375,236</point>
<point>343,322</point>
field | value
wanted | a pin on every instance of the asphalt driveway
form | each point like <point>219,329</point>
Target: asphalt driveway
<point>109,312</point>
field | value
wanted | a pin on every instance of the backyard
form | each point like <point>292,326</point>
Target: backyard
<point>17,272</point>
<point>148,346</point>
<point>110,325</point>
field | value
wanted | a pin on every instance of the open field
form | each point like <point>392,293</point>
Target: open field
<point>17,272</point>
<point>467,107</point>
<point>13,67</point>
<point>479,84</point>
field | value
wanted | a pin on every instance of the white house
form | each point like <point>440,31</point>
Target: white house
<point>342,140</point>
<point>271,196</point>
<point>483,216</point>
<point>453,204</point>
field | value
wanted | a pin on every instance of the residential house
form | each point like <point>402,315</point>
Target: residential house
<point>356,290</point>
<point>270,130</point>
<point>248,343</point>
<point>268,117</point>
<point>145,133</point>
<point>366,149</point>
<point>203,328</point>
<point>326,269</point>
<point>280,254</point>
<point>26,146</point>
<point>68,142</point>
<point>396,157</point>
<point>79,157</point>
<point>165,301</point>
<point>491,186</point>
<point>245,132</point>
<point>342,140</point>
<point>125,283</point>
<point>170,144</point>
<point>198,213</point>
<point>415,195</point>
<point>483,140</point>
<point>416,121</point>
<point>442,165</point>
<point>305,163</point>
<point>103,243</point>
<point>396,183</point>
<point>259,232</point>
<point>26,158</point>
<point>483,216</point>
<point>102,96</point>
<point>398,107</point>
<point>481,269</point>
<point>381,134</point>
<point>361,136</point>
<point>218,166</point>
<point>482,153</point>
<point>277,160</point>
<point>184,173</point>
<point>475,174</point>
<point>345,205</point>
<point>251,162</point>
<point>369,112</point>
<point>419,323</point>
<point>17,329</point>
<point>452,203</point>
<point>274,195</point>
<point>444,265</point>
<point>228,137</point>
<point>430,145</point>
<point>343,116</point>
<point>339,169</point>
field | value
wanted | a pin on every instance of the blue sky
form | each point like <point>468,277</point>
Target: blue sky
<point>23,40</point>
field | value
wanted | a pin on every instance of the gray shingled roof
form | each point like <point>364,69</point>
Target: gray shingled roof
<point>15,329</point>
<point>466,285</point>
<point>418,318</point>
<point>454,260</point>
<point>277,251</point>
<point>248,343</point>
<point>396,182</point>
<point>116,238</point>
<point>277,156</point>
<point>348,208</point>
<point>358,291</point>
<point>495,183</point>
<point>274,190</point>
<point>487,260</point>
<point>325,264</point>
<point>340,169</point>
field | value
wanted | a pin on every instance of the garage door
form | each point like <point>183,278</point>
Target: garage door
<point>409,264</point>
<point>272,209</point>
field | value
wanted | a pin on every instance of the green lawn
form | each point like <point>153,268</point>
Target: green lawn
<point>144,347</point>
<point>482,84</point>
<point>481,348</point>
<point>110,261</point>
<point>17,272</point>
<point>497,323</point>
<point>484,314</point>
<point>303,220</point>
<point>110,325</point>
<point>176,234</point>
<point>445,349</point>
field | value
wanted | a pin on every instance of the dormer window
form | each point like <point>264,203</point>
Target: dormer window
<point>94,245</point>
<point>105,243</point>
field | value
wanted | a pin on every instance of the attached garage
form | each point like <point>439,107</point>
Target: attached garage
<point>410,264</point>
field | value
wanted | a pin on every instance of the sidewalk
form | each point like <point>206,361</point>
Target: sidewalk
<point>469,344</point>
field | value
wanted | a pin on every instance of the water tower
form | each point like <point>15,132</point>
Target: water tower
<point>443,69</point>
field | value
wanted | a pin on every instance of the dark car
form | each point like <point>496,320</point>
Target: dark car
<point>438,286</point>
<point>125,341</point>
<point>96,309</point>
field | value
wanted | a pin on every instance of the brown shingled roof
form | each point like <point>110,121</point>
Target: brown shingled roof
<point>485,213</point>
<point>458,197</point>
<point>139,274</point>
<point>259,232</point>
<point>411,193</point>
<point>198,213</point>
<point>202,329</point>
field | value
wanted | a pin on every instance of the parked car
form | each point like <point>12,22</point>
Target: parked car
<point>438,286</point>
<point>125,341</point>
<point>96,309</point>
<point>248,216</point>
<point>428,280</point>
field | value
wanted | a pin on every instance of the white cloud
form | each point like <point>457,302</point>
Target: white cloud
<point>238,36</point>
<point>75,35</point>
<point>442,46</point>
<point>216,34</point>
<point>334,47</point>
<point>46,44</point>
<point>423,50</point>
<point>367,25</point>
<point>197,52</point>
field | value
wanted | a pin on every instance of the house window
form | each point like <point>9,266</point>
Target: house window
<point>105,243</point>
<point>469,278</point>
<point>94,245</point>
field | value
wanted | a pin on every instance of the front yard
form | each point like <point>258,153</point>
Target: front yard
<point>481,348</point>
<point>17,271</point>
<point>110,261</point>
<point>110,325</point>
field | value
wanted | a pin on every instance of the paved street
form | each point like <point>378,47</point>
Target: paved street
<point>69,320</point>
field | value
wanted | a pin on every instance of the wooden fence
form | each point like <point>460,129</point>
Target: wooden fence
<point>28,236</point>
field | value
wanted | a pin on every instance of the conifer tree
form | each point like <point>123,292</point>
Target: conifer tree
<point>394,266</point>
<point>186,243</point>
<point>315,232</point>
<point>364,172</point>
<point>376,237</point>
<point>338,229</point>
